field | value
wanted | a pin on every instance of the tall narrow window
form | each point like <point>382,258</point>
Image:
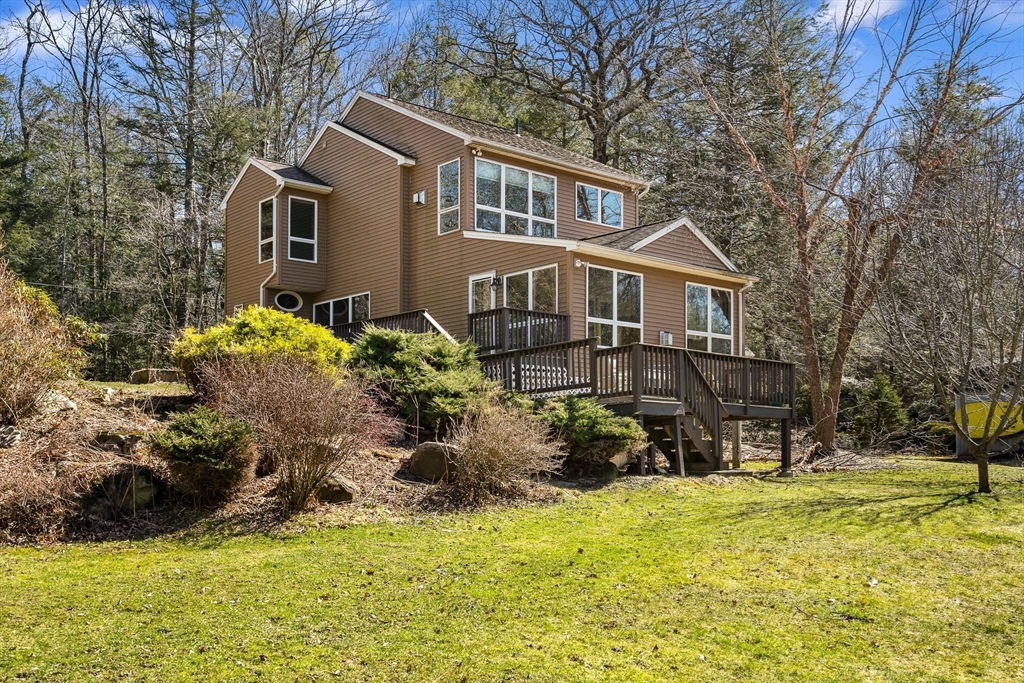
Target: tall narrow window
<point>348,309</point>
<point>514,201</point>
<point>535,290</point>
<point>302,229</point>
<point>599,206</point>
<point>448,197</point>
<point>481,296</point>
<point>708,318</point>
<point>267,230</point>
<point>614,306</point>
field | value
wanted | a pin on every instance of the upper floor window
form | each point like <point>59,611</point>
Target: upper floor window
<point>514,201</point>
<point>348,309</point>
<point>448,197</point>
<point>708,318</point>
<point>302,229</point>
<point>614,306</point>
<point>534,290</point>
<point>599,206</point>
<point>267,221</point>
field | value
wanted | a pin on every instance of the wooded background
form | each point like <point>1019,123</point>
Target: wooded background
<point>812,143</point>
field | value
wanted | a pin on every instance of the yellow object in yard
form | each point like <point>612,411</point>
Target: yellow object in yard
<point>977,416</point>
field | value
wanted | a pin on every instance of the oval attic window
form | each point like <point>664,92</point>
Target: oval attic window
<point>288,301</point>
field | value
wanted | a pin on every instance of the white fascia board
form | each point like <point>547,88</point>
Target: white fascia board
<point>658,235</point>
<point>655,262</point>
<point>384,102</point>
<point>402,159</point>
<point>238,178</point>
<point>709,244</point>
<point>636,183</point>
<point>308,187</point>
<point>568,245</point>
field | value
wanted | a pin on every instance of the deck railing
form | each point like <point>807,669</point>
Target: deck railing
<point>411,321</point>
<point>505,329</point>
<point>552,369</point>
<point>642,371</point>
<point>750,381</point>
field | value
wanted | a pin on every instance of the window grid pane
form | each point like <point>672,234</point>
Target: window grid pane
<point>448,185</point>
<point>545,288</point>
<point>517,291</point>
<point>600,293</point>
<point>696,308</point>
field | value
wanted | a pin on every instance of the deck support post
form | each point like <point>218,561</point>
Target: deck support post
<point>787,449</point>
<point>677,438</point>
<point>737,442</point>
<point>641,457</point>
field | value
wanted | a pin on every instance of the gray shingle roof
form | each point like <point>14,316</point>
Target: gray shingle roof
<point>394,149</point>
<point>486,132</point>
<point>626,239</point>
<point>289,172</point>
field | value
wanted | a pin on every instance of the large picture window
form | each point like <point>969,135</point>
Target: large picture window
<point>341,311</point>
<point>534,290</point>
<point>614,306</point>
<point>448,197</point>
<point>708,318</point>
<point>599,206</point>
<point>267,221</point>
<point>514,201</point>
<point>302,229</point>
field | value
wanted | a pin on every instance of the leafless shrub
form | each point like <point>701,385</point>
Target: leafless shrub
<point>46,483</point>
<point>497,450</point>
<point>36,350</point>
<point>308,421</point>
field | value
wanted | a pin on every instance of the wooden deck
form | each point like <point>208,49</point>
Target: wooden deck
<point>504,329</point>
<point>681,397</point>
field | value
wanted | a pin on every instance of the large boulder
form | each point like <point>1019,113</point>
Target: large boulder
<point>337,489</point>
<point>431,461</point>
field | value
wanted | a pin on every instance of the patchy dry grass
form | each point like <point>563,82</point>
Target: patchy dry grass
<point>887,575</point>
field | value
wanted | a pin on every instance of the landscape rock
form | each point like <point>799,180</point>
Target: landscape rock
<point>118,443</point>
<point>9,436</point>
<point>608,472</point>
<point>337,489</point>
<point>430,461</point>
<point>56,402</point>
<point>154,375</point>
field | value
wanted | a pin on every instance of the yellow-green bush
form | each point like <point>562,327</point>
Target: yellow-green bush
<point>260,333</point>
<point>37,346</point>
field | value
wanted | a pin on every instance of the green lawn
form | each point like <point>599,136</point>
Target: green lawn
<point>897,575</point>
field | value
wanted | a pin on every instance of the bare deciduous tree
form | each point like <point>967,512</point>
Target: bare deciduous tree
<point>954,310</point>
<point>604,61</point>
<point>853,220</point>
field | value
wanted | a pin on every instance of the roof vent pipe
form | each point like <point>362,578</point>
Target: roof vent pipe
<point>517,125</point>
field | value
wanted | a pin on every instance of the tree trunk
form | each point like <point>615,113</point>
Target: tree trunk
<point>983,483</point>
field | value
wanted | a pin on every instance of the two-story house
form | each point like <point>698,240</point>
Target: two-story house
<point>412,217</point>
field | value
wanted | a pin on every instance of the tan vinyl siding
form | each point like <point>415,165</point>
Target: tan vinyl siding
<point>682,245</point>
<point>664,301</point>
<point>361,235</point>
<point>243,271</point>
<point>301,276</point>
<point>566,224</point>
<point>445,290</point>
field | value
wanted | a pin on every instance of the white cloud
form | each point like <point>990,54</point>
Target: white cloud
<point>872,11</point>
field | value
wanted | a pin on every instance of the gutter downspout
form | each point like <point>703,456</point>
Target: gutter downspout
<point>273,271</point>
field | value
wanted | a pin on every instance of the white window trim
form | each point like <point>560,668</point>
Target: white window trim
<point>528,216</point>
<point>273,230</point>
<point>369,305</point>
<point>480,276</point>
<point>600,203</point>
<point>615,304</point>
<point>709,334</point>
<point>530,271</point>
<point>289,310</point>
<point>316,230</point>
<point>458,202</point>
